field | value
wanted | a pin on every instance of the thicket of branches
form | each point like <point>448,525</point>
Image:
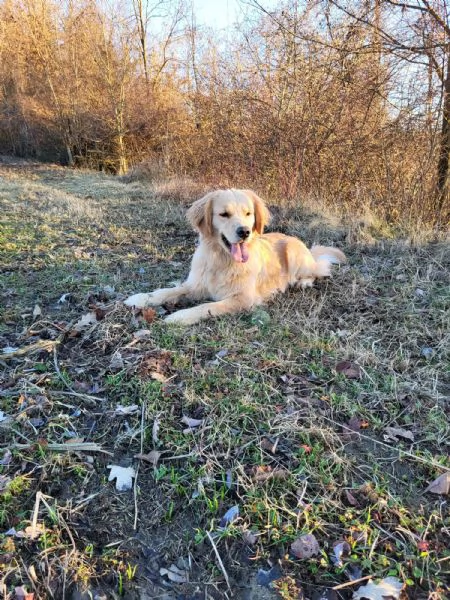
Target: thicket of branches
<point>346,101</point>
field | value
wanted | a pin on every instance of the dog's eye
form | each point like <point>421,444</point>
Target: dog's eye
<point>224,214</point>
<point>248,214</point>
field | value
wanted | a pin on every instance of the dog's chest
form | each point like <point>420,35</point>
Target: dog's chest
<point>226,282</point>
<point>221,278</point>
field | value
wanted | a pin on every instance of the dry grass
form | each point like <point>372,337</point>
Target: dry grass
<point>290,434</point>
<point>164,185</point>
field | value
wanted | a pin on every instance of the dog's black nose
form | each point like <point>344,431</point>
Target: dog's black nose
<point>243,232</point>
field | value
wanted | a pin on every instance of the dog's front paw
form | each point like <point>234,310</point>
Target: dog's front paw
<point>306,282</point>
<point>182,317</point>
<point>138,300</point>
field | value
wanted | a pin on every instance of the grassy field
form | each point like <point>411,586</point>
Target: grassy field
<point>324,414</point>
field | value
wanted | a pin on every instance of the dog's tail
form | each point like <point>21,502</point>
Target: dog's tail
<point>325,257</point>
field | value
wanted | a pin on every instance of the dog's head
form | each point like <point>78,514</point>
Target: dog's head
<point>231,218</point>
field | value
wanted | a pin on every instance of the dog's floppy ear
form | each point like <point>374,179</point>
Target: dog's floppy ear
<point>199,215</point>
<point>262,214</point>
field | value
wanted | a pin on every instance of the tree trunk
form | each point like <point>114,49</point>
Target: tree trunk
<point>142,31</point>
<point>444,151</point>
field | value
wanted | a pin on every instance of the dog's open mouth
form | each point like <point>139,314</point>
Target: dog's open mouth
<point>239,251</point>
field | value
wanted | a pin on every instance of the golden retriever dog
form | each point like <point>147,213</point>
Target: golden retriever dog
<point>236,265</point>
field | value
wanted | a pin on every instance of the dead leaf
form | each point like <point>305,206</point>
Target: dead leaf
<point>393,433</point>
<point>64,298</point>
<point>351,498</point>
<point>100,312</point>
<point>141,333</point>
<point>74,440</point>
<point>249,537</point>
<point>359,536</point>
<point>36,422</point>
<point>390,587</point>
<point>231,515</point>
<point>152,457</point>
<point>423,545</point>
<point>306,449</point>
<point>9,349</point>
<point>32,532</point>
<point>191,422</point>
<point>149,314</point>
<point>341,550</point>
<point>7,557</point>
<point>29,532</point>
<point>123,476</point>
<point>158,377</point>
<point>348,369</point>
<point>155,430</point>
<point>175,574</point>
<point>37,311</point>
<point>305,546</point>
<point>353,572</point>
<point>267,444</point>
<point>87,320</point>
<point>116,363</point>
<point>7,457</point>
<point>20,593</point>
<point>441,485</point>
<point>4,481</point>
<point>126,410</point>
<point>4,417</point>
<point>222,353</point>
<point>108,290</point>
<point>159,361</point>
<point>356,423</point>
<point>263,473</point>
<point>367,493</point>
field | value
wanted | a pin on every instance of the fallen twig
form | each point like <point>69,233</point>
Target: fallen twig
<point>137,468</point>
<point>89,399</point>
<point>353,582</point>
<point>48,345</point>
<point>75,447</point>
<point>219,560</point>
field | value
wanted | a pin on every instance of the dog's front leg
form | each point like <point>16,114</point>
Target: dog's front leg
<point>158,297</point>
<point>189,316</point>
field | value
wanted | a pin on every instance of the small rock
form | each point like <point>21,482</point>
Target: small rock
<point>305,546</point>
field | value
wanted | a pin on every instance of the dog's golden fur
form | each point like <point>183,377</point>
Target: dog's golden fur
<point>236,265</point>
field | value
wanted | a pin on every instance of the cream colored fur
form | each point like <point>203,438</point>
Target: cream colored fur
<point>269,262</point>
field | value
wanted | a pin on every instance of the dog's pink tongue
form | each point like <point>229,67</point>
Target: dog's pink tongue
<point>239,252</point>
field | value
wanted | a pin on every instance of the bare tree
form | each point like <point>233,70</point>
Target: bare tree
<point>141,14</point>
<point>418,32</point>
<point>166,15</point>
